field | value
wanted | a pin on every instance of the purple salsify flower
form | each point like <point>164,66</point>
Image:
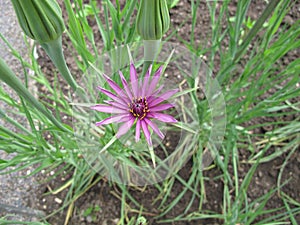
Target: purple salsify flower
<point>139,102</point>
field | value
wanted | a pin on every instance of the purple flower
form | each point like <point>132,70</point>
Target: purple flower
<point>138,103</point>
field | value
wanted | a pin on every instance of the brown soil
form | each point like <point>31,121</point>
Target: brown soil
<point>107,197</point>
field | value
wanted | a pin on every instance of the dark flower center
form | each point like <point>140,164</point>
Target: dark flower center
<point>139,107</point>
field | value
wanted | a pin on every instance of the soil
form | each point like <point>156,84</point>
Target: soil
<point>107,196</point>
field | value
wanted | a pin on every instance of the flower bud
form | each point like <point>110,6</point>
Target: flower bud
<point>41,20</point>
<point>153,19</point>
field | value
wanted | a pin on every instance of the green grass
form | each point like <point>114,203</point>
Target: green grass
<point>245,75</point>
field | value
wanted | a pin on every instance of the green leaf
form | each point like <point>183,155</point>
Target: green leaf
<point>11,79</point>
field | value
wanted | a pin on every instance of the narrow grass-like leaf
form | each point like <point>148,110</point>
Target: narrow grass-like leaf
<point>10,78</point>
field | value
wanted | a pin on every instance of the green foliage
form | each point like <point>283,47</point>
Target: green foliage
<point>249,67</point>
<point>120,29</point>
<point>172,3</point>
<point>92,211</point>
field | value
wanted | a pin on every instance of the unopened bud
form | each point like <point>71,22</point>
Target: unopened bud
<point>41,20</point>
<point>153,19</point>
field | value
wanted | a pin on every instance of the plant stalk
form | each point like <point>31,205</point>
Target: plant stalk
<point>151,51</point>
<point>55,52</point>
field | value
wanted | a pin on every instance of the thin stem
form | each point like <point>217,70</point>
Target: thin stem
<point>259,23</point>
<point>54,51</point>
<point>151,50</point>
<point>112,140</point>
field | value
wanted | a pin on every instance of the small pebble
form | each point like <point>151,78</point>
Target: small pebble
<point>57,200</point>
<point>89,219</point>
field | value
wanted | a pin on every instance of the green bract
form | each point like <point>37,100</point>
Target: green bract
<point>153,19</point>
<point>40,20</point>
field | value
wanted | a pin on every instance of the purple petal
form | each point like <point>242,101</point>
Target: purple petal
<point>162,98</point>
<point>114,119</point>
<point>154,81</point>
<point>152,96</point>
<point>162,117</point>
<point>113,96</point>
<point>108,109</point>
<point>158,90</point>
<point>146,132</point>
<point>125,127</point>
<point>146,81</point>
<point>117,105</point>
<point>125,85</point>
<point>134,80</point>
<point>137,130</point>
<point>155,128</point>
<point>161,107</point>
<point>116,88</point>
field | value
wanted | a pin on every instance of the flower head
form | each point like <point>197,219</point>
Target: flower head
<point>137,103</point>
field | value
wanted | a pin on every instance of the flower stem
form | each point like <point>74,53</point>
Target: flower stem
<point>112,140</point>
<point>151,51</point>
<point>55,52</point>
